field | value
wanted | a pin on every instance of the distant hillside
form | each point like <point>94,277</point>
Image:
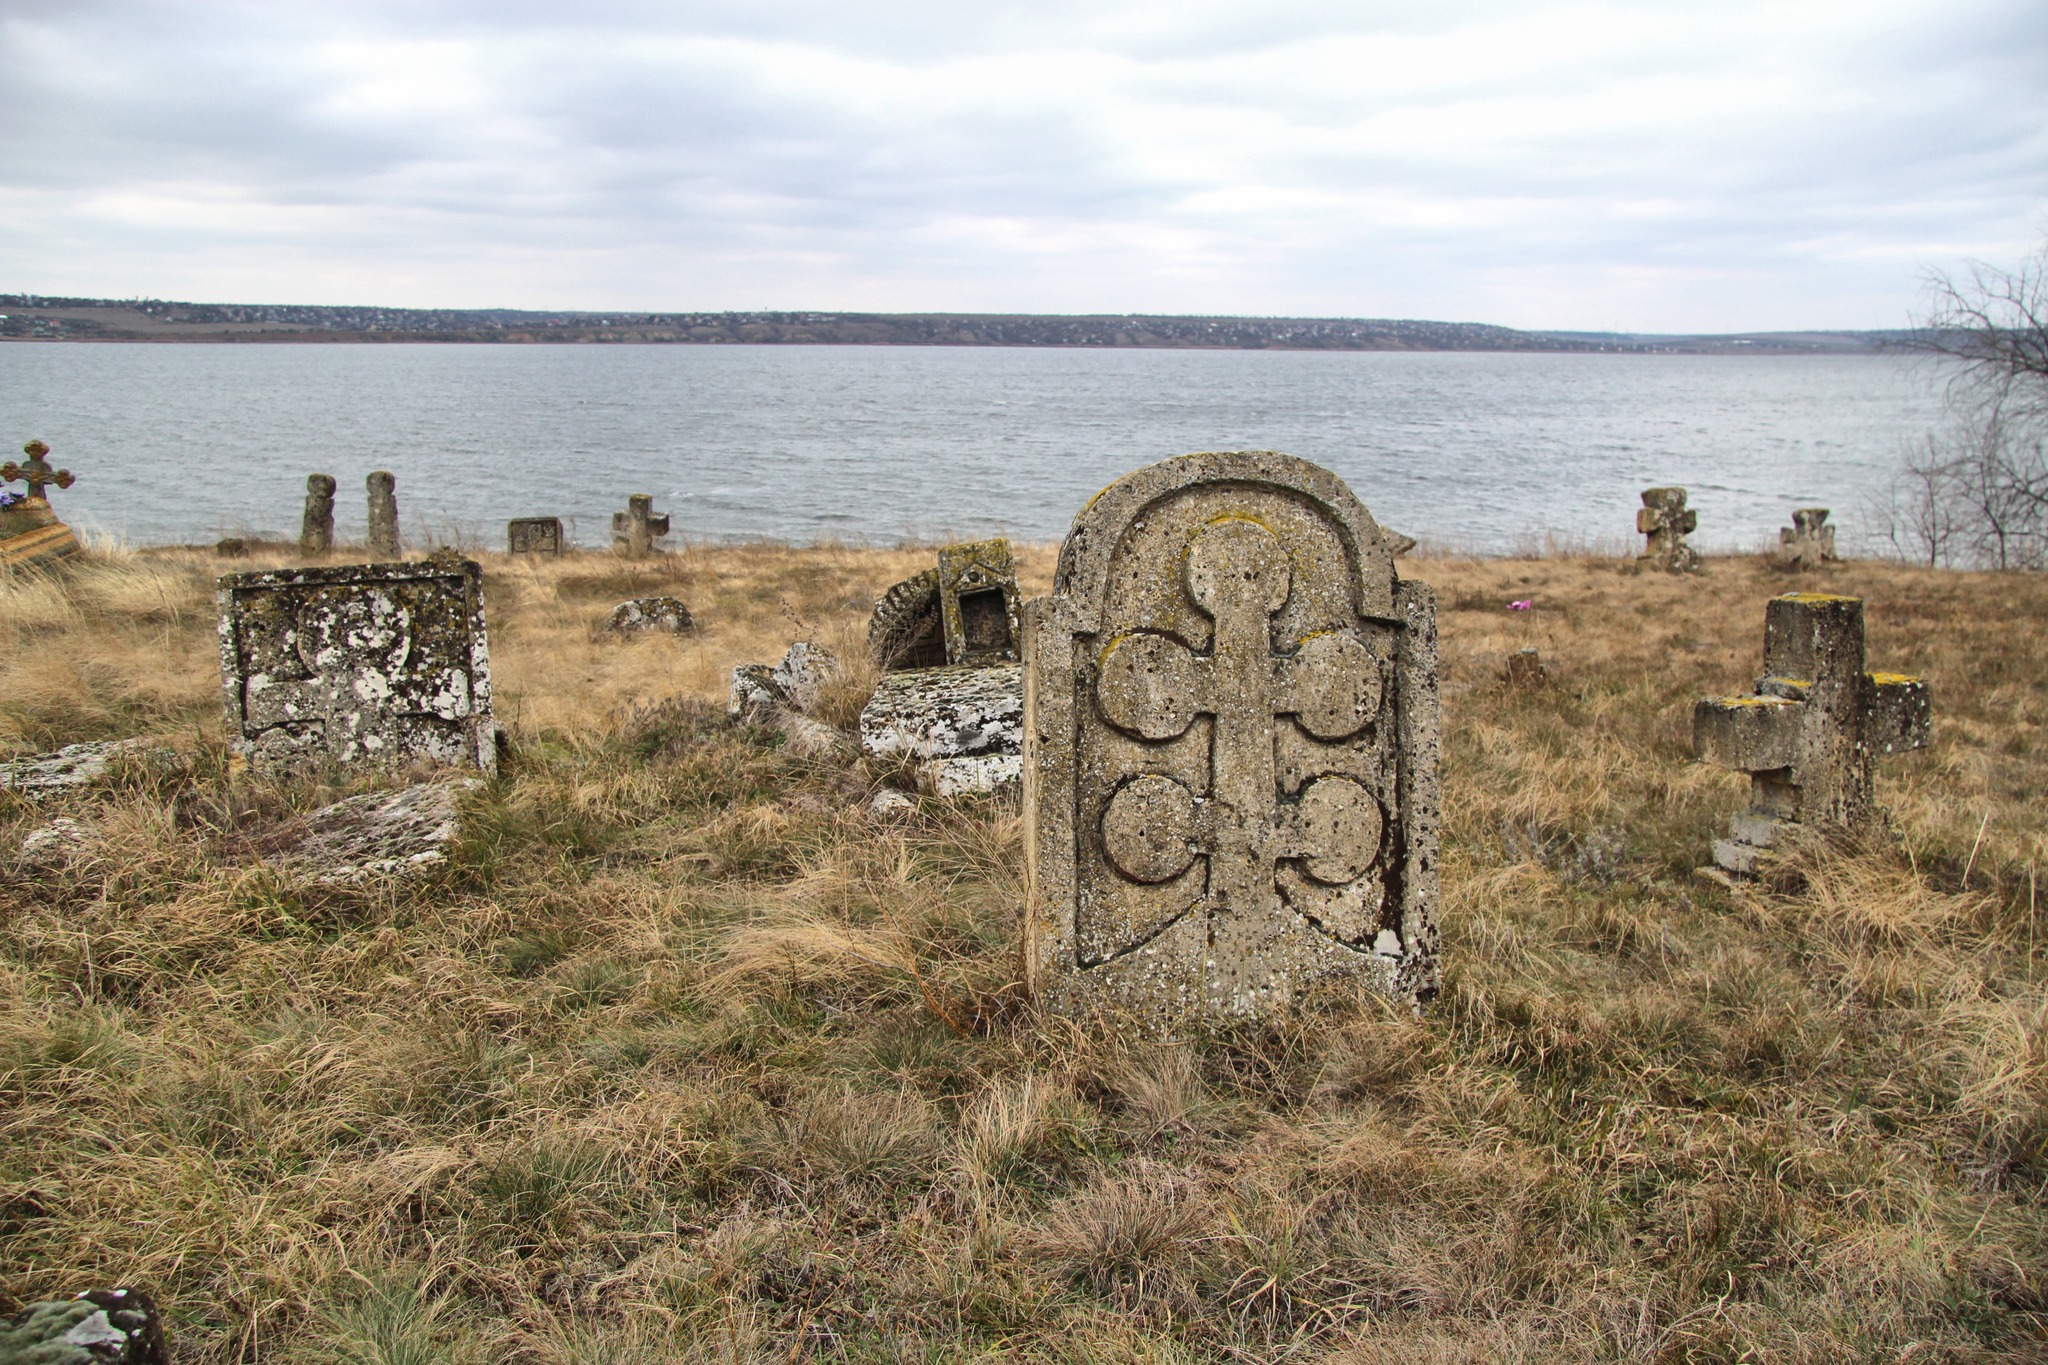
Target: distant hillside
<point>31,317</point>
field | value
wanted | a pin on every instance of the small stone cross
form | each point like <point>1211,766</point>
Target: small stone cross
<point>1665,522</point>
<point>1153,686</point>
<point>1810,735</point>
<point>1808,542</point>
<point>38,472</point>
<point>635,530</point>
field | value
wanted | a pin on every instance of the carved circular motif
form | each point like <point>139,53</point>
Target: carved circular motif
<point>358,627</point>
<point>1147,828</point>
<point>1148,685</point>
<point>1337,688</point>
<point>1340,826</point>
<point>1236,559</point>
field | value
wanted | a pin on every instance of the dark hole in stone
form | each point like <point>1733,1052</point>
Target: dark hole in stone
<point>985,621</point>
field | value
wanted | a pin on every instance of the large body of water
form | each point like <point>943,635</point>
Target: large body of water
<point>1487,452</point>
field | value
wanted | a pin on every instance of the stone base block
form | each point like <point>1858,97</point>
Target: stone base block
<point>971,774</point>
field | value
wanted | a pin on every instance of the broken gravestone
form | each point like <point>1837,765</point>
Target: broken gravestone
<point>1665,522</point>
<point>81,765</point>
<point>1230,764</point>
<point>383,490</point>
<point>635,530</point>
<point>978,602</point>
<point>1808,542</point>
<point>316,527</point>
<point>533,536</point>
<point>782,698</point>
<point>1810,735</point>
<point>98,1327</point>
<point>666,615</point>
<point>380,834</point>
<point>29,530</point>
<point>962,726</point>
<point>367,663</point>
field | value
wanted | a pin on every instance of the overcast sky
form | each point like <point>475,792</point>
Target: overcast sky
<point>1644,166</point>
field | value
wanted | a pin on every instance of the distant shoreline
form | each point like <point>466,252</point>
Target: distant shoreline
<point>31,317</point>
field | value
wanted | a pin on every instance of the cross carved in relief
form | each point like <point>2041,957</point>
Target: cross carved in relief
<point>38,472</point>
<point>1152,686</point>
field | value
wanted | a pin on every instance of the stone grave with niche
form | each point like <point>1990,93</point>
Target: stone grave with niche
<point>1231,749</point>
<point>1664,522</point>
<point>978,602</point>
<point>316,527</point>
<point>1808,542</point>
<point>29,530</point>
<point>372,663</point>
<point>636,530</point>
<point>383,490</point>
<point>534,536</point>
<point>1810,735</point>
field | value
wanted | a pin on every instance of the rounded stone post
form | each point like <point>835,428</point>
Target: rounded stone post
<point>316,531</point>
<point>383,515</point>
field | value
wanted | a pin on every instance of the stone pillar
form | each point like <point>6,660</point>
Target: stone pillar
<point>383,515</point>
<point>316,531</point>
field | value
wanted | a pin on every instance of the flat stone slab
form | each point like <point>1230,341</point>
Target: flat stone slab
<point>381,834</point>
<point>79,765</point>
<point>944,713</point>
<point>972,774</point>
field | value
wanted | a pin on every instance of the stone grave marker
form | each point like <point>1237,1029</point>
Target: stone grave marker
<point>1810,735</point>
<point>29,530</point>
<point>362,663</point>
<point>635,530</point>
<point>978,602</point>
<point>1665,522</point>
<point>316,528</point>
<point>383,515</point>
<point>1808,542</point>
<point>1230,749</point>
<point>534,536</point>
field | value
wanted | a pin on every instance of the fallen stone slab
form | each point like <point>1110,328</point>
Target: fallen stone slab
<point>666,615</point>
<point>381,834</point>
<point>56,843</point>
<point>971,774</point>
<point>80,765</point>
<point>952,712</point>
<point>98,1327</point>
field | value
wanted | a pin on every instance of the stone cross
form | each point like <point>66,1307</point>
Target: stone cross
<point>1808,542</point>
<point>635,530</point>
<point>1810,735</point>
<point>38,473</point>
<point>978,602</point>
<point>361,663</point>
<point>1665,522</point>
<point>316,528</point>
<point>383,514</point>
<point>533,536</point>
<point>1230,765</point>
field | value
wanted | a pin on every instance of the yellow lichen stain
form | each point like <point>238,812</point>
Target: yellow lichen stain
<point>1815,598</point>
<point>1751,701</point>
<point>1896,680</point>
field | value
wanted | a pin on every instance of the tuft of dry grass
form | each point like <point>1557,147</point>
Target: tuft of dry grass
<point>686,1056</point>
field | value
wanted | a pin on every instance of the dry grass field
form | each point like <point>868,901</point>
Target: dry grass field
<point>684,1056</point>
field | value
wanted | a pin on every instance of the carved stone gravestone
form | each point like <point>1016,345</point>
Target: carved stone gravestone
<point>1810,736</point>
<point>1808,542</point>
<point>635,530</point>
<point>316,528</point>
<point>29,530</point>
<point>1665,522</point>
<point>383,515</point>
<point>1230,762</point>
<point>978,602</point>
<point>533,536</point>
<point>365,663</point>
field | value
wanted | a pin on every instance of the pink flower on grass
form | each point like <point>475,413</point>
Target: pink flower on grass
<point>1524,605</point>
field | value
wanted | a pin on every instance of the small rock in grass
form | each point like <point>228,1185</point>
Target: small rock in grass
<point>890,804</point>
<point>98,1327</point>
<point>56,843</point>
<point>666,615</point>
<point>803,675</point>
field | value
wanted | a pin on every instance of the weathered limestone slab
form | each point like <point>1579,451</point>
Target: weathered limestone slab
<point>316,527</point>
<point>534,536</point>
<point>363,663</point>
<point>781,697</point>
<point>1665,522</point>
<point>80,765</point>
<point>98,1327</point>
<point>978,602</point>
<point>635,530</point>
<point>1808,542</point>
<point>962,725</point>
<point>381,834</point>
<point>383,490</point>
<point>667,615</point>
<point>1810,736</point>
<point>29,530</point>
<point>57,842</point>
<point>1231,735</point>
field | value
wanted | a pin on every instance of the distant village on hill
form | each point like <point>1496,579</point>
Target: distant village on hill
<point>34,317</point>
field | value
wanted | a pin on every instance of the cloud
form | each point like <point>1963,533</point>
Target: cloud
<point>1642,165</point>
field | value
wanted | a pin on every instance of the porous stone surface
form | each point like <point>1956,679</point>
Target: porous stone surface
<point>1665,522</point>
<point>667,615</point>
<point>383,491</point>
<point>781,697</point>
<point>635,530</point>
<point>804,673</point>
<point>1810,735</point>
<point>971,774</point>
<point>1525,670</point>
<point>97,1327</point>
<point>1231,749</point>
<point>978,602</point>
<point>365,663</point>
<point>890,804</point>
<point>80,765</point>
<point>534,536</point>
<point>950,712</point>
<point>1808,542</point>
<point>380,834</point>
<point>316,527</point>
<point>56,843</point>
<point>908,629</point>
<point>753,693</point>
